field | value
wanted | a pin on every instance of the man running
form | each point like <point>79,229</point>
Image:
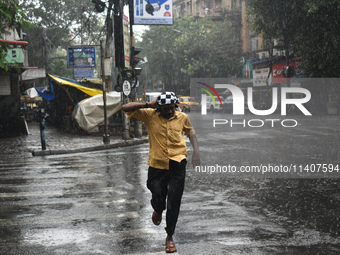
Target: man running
<point>167,156</point>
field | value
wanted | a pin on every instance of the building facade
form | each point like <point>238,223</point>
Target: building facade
<point>16,63</point>
<point>218,10</point>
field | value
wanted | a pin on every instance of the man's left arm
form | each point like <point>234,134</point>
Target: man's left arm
<point>196,160</point>
<point>191,134</point>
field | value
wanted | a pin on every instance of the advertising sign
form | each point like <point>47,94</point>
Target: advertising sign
<point>83,72</point>
<point>260,77</point>
<point>279,67</point>
<point>81,57</point>
<point>126,38</point>
<point>260,72</point>
<point>153,12</point>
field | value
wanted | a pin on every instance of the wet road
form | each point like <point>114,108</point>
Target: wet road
<point>98,203</point>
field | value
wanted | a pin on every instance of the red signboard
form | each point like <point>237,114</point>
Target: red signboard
<point>277,75</point>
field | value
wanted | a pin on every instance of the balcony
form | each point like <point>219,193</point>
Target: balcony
<point>213,13</point>
<point>17,56</point>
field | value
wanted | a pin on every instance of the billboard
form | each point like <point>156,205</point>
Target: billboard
<point>153,12</point>
<point>81,56</point>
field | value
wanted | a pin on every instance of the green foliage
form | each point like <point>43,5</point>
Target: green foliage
<point>2,58</point>
<point>319,42</point>
<point>190,48</point>
<point>277,19</point>
<point>66,14</point>
<point>60,68</point>
<point>309,27</point>
<point>57,25</point>
<point>41,45</point>
<point>11,17</point>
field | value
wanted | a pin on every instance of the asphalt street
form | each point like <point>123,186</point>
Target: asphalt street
<point>96,202</point>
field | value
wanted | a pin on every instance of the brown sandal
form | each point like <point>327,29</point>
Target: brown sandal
<point>156,218</point>
<point>170,246</point>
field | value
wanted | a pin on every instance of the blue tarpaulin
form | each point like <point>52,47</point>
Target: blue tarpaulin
<point>42,92</point>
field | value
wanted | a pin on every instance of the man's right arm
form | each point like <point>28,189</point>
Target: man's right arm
<point>134,106</point>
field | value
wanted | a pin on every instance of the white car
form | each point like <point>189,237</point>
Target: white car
<point>150,96</point>
<point>212,106</point>
<point>228,105</point>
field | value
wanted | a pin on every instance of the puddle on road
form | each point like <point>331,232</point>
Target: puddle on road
<point>56,237</point>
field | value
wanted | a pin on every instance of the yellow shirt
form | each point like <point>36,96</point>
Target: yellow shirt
<point>166,138</point>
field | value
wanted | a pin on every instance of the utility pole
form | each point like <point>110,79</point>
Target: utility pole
<point>120,60</point>
<point>106,136</point>
<point>138,125</point>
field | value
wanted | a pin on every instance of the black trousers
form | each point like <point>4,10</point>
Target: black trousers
<point>167,188</point>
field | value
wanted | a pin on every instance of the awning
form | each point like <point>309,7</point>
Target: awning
<point>63,81</point>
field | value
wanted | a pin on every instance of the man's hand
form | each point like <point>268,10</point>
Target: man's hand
<point>153,104</point>
<point>196,159</point>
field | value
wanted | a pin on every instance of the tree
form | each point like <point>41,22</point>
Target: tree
<point>12,17</point>
<point>190,48</point>
<point>77,17</point>
<point>319,41</point>
<point>58,24</point>
<point>309,28</point>
<point>276,20</point>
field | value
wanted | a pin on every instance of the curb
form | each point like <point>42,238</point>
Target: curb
<point>95,148</point>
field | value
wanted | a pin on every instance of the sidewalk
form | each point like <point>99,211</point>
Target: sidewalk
<point>58,142</point>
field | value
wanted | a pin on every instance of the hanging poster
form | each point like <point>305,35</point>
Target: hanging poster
<point>153,12</point>
<point>126,37</point>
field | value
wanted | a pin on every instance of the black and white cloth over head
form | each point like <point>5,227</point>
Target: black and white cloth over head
<point>167,98</point>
